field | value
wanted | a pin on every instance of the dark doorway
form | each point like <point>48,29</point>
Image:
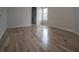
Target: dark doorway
<point>33,15</point>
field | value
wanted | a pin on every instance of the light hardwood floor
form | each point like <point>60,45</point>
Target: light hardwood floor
<point>38,39</point>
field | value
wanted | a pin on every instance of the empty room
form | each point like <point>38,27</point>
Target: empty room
<point>39,29</point>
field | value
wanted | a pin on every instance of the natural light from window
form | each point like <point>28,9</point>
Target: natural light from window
<point>45,13</point>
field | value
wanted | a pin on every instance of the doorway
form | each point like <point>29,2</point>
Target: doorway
<point>39,15</point>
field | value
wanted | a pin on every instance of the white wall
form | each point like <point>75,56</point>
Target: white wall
<point>61,17</point>
<point>19,16</point>
<point>66,18</point>
<point>76,20</point>
<point>3,20</point>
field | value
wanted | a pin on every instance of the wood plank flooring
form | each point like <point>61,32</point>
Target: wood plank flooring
<point>39,39</point>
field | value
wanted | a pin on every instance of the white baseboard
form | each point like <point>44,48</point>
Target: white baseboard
<point>47,25</point>
<point>69,30</point>
<point>19,26</point>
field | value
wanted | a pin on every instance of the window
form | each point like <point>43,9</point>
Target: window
<point>45,13</point>
<point>42,13</point>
